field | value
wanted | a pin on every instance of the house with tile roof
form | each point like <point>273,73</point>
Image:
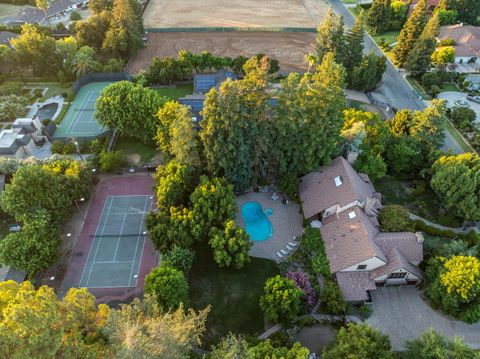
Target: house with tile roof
<point>361,257</point>
<point>467,42</point>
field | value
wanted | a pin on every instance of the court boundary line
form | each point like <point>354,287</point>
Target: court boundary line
<point>119,237</point>
<point>140,233</point>
<point>91,247</point>
<point>77,115</point>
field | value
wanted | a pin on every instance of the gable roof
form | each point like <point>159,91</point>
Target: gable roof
<point>396,261</point>
<point>319,191</point>
<point>354,285</point>
<point>466,37</point>
<point>349,241</point>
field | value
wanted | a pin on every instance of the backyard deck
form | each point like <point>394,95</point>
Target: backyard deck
<point>286,223</point>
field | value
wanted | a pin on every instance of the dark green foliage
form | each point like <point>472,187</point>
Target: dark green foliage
<point>281,301</point>
<point>374,166</point>
<point>266,350</point>
<point>289,185</point>
<point>368,73</point>
<point>111,161</point>
<point>330,38</point>
<point>62,148</point>
<point>179,258</point>
<point>35,247</point>
<point>410,33</point>
<point>170,228</point>
<point>360,341</point>
<point>312,243</point>
<point>399,10</point>
<point>331,298</point>
<point>379,15</point>
<point>447,17</point>
<point>168,286</point>
<point>467,11</point>
<point>462,117</point>
<point>75,16</point>
<point>174,183</point>
<point>354,46</point>
<point>432,345</point>
<point>394,218</point>
<point>404,156</point>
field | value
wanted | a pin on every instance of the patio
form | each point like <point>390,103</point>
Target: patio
<point>286,223</point>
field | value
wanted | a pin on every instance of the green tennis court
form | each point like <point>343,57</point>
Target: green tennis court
<point>116,252</point>
<point>79,121</point>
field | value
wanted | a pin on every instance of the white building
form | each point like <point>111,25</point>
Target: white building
<point>21,140</point>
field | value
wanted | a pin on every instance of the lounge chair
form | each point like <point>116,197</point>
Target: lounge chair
<point>293,244</point>
<point>290,248</point>
<point>280,255</point>
<point>275,196</point>
<point>284,252</point>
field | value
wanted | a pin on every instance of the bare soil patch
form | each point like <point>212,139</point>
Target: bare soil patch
<point>232,13</point>
<point>289,48</point>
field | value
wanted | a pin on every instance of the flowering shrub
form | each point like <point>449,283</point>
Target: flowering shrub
<point>303,283</point>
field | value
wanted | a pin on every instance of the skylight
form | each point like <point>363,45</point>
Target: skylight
<point>338,181</point>
<point>351,215</point>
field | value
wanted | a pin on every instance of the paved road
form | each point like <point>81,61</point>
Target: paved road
<point>394,86</point>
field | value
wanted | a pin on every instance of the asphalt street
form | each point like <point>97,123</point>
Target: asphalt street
<point>394,87</point>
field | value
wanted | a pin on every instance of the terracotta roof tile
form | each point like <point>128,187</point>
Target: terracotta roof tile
<point>466,37</point>
<point>354,285</point>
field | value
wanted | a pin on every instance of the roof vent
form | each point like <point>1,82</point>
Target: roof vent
<point>338,181</point>
<point>351,215</point>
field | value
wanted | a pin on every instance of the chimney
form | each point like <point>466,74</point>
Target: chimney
<point>419,236</point>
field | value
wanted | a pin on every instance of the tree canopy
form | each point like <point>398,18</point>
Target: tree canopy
<point>230,246</point>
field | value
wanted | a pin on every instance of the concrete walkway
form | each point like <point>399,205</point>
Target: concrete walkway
<point>401,313</point>
<point>439,226</point>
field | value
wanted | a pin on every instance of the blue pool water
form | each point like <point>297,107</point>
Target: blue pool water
<point>256,221</point>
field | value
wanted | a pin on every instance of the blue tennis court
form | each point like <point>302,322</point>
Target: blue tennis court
<point>116,252</point>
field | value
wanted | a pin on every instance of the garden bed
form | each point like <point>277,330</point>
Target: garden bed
<point>234,295</point>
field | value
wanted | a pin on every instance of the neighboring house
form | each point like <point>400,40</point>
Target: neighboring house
<point>431,4</point>
<point>6,36</point>
<point>201,85</point>
<point>345,206</point>
<point>467,42</point>
<point>21,140</point>
<point>55,11</point>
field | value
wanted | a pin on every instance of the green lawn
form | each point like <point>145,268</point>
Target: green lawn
<point>423,203</point>
<point>458,138</point>
<point>54,88</point>
<point>173,93</point>
<point>131,146</point>
<point>390,37</point>
<point>9,10</point>
<point>449,87</point>
<point>233,294</point>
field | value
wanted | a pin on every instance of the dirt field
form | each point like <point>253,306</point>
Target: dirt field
<point>288,47</point>
<point>234,13</point>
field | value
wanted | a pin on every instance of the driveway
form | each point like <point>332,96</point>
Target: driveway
<point>401,313</point>
<point>452,96</point>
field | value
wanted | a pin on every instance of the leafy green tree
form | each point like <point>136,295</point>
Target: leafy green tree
<point>36,49</point>
<point>168,286</point>
<point>447,17</point>
<point>463,117</point>
<point>432,345</point>
<point>174,183</point>
<point>410,33</point>
<point>129,109</point>
<point>399,11</point>
<point>235,130</point>
<point>419,59</point>
<point>97,6</point>
<point>83,62</point>
<point>309,119</point>
<point>34,248</point>
<point>212,205</point>
<point>467,11</point>
<point>456,180</point>
<point>443,55</point>
<point>454,285</point>
<point>368,73</point>
<point>359,341</point>
<point>332,298</point>
<point>281,301</point>
<point>373,165</point>
<point>170,228</point>
<point>91,32</point>
<point>143,330</point>
<point>231,347</point>
<point>36,324</point>
<point>111,161</point>
<point>379,15</point>
<point>175,134</point>
<point>230,246</point>
<point>12,107</point>
<point>394,218</point>
<point>404,156</point>
<point>266,350</point>
<point>331,37</point>
<point>179,258</point>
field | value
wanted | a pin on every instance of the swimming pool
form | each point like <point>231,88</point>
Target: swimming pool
<point>47,111</point>
<point>256,221</point>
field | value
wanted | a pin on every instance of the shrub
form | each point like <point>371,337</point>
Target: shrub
<point>365,311</point>
<point>462,117</point>
<point>281,300</point>
<point>168,286</point>
<point>111,161</point>
<point>314,247</point>
<point>179,258</point>
<point>332,298</point>
<point>394,218</point>
<point>288,184</point>
<point>57,147</point>
<point>75,16</point>
<point>303,283</point>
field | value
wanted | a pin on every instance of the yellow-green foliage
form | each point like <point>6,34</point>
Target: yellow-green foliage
<point>461,275</point>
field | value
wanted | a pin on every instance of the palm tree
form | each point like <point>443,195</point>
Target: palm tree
<point>83,63</point>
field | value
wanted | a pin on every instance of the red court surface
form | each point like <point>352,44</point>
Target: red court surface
<point>127,185</point>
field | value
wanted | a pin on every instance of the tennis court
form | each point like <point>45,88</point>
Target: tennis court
<point>116,252</point>
<point>79,121</point>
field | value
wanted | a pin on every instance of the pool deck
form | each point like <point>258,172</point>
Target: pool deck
<point>286,223</point>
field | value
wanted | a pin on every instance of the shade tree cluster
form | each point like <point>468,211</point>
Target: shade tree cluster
<point>386,15</point>
<point>363,72</point>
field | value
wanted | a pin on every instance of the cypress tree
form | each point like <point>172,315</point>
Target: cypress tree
<point>331,38</point>
<point>410,33</point>
<point>354,44</point>
<point>378,20</point>
<point>420,58</point>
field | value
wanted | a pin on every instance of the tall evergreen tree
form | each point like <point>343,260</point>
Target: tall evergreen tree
<point>379,15</point>
<point>420,58</point>
<point>410,33</point>
<point>331,37</point>
<point>354,44</point>
<point>468,11</point>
